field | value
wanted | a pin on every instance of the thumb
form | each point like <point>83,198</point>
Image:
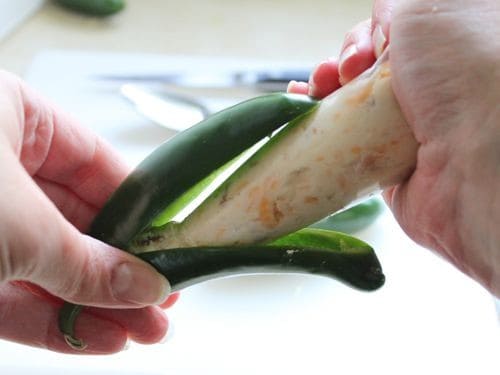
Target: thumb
<point>39,245</point>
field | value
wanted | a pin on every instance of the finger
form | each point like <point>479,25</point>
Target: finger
<point>387,195</point>
<point>295,87</point>
<point>78,212</point>
<point>418,208</point>
<point>148,325</point>
<point>324,79</point>
<point>57,148</point>
<point>357,53</point>
<point>31,320</point>
<point>381,20</point>
<point>39,245</point>
<point>171,300</point>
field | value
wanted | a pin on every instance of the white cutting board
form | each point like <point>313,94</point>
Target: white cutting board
<point>14,12</point>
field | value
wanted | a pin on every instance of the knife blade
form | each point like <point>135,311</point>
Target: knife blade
<point>259,80</point>
<point>171,110</point>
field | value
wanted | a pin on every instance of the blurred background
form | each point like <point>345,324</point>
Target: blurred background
<point>280,29</point>
<point>108,71</point>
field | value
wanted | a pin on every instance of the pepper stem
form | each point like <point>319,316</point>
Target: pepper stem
<point>75,343</point>
<point>67,318</point>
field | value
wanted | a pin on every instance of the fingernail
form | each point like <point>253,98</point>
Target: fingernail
<point>298,87</point>
<point>379,41</point>
<point>344,56</point>
<point>137,283</point>
<point>311,91</point>
<point>347,53</point>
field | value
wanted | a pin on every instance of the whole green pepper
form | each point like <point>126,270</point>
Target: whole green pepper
<point>94,7</point>
<point>353,219</point>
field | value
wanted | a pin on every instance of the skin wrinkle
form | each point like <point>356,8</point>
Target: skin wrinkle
<point>58,127</point>
<point>48,335</point>
<point>142,327</point>
<point>493,242</point>
<point>9,136</point>
<point>495,208</point>
<point>410,215</point>
<point>438,110</point>
<point>37,136</point>
<point>71,286</point>
<point>43,228</point>
<point>475,145</point>
<point>76,211</point>
<point>83,171</point>
<point>7,310</point>
<point>42,124</point>
<point>8,103</point>
<point>351,37</point>
<point>92,266</point>
<point>449,79</point>
<point>446,237</point>
<point>85,174</point>
<point>6,262</point>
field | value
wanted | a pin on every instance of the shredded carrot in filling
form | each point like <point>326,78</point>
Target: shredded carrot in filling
<point>385,72</point>
<point>269,213</point>
<point>356,150</point>
<point>310,199</point>
<point>362,95</point>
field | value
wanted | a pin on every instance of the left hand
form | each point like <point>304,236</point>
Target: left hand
<point>56,175</point>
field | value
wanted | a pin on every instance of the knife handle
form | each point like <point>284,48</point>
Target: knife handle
<point>278,80</point>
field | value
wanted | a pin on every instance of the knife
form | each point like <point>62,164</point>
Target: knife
<point>260,80</point>
<point>172,110</point>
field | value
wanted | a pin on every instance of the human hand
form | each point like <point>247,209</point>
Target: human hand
<point>445,62</point>
<point>55,177</point>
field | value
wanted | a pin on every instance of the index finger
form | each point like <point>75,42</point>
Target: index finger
<point>66,153</point>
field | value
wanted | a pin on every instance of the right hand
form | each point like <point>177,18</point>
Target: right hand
<point>445,59</point>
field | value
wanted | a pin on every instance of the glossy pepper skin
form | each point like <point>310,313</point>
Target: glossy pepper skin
<point>352,219</point>
<point>314,251</point>
<point>101,8</point>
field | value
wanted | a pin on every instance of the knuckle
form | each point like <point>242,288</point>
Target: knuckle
<point>6,262</point>
<point>84,281</point>
<point>17,259</point>
<point>75,269</point>
<point>357,33</point>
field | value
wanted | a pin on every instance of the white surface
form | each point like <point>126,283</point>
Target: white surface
<point>427,319</point>
<point>13,12</point>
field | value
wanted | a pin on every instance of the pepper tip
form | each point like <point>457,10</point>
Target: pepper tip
<point>74,343</point>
